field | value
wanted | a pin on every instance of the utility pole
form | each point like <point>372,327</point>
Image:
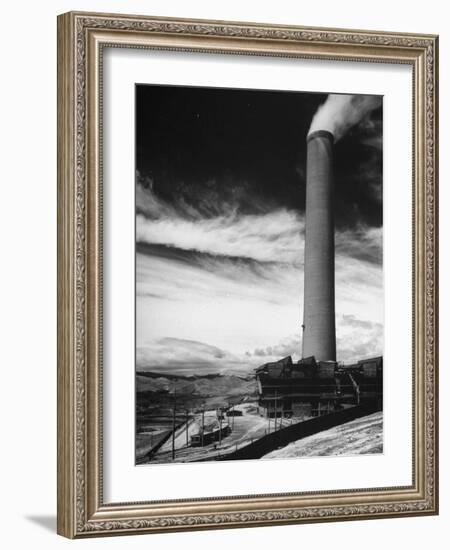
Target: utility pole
<point>220,427</point>
<point>303,335</point>
<point>174,421</point>
<point>187,428</point>
<point>203,425</point>
<point>276,411</point>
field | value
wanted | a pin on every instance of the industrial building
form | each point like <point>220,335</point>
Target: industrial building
<point>318,384</point>
<point>309,388</point>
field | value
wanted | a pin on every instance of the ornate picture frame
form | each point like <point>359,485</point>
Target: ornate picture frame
<point>82,39</point>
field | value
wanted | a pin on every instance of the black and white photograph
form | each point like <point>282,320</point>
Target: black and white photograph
<point>259,274</point>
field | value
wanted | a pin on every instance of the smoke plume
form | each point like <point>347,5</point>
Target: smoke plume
<point>341,111</point>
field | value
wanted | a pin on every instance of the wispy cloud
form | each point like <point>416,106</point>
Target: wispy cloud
<point>179,276</point>
<point>290,345</point>
<point>234,283</point>
<point>268,237</point>
<point>186,356</point>
<point>362,243</point>
<point>274,236</point>
<point>358,338</point>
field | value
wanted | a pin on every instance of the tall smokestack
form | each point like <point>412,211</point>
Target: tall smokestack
<point>319,326</point>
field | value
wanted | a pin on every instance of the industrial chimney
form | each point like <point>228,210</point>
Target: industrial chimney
<point>319,326</point>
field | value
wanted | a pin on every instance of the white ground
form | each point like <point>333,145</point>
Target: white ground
<point>361,436</point>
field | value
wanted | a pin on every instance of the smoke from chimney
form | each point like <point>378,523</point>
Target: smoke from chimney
<point>341,111</point>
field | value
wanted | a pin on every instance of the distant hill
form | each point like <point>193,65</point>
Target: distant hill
<point>208,385</point>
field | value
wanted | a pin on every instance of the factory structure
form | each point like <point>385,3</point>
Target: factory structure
<point>317,384</point>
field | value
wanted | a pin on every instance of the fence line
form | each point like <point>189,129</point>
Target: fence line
<point>283,437</point>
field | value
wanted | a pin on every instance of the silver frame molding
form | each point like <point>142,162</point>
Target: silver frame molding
<point>81,38</point>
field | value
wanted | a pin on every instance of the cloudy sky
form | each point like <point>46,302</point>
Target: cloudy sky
<point>220,199</point>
